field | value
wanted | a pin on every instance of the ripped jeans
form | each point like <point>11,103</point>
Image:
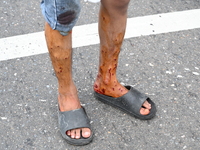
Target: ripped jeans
<point>61,15</point>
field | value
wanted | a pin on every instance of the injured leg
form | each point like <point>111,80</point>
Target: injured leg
<point>60,50</point>
<point>112,24</point>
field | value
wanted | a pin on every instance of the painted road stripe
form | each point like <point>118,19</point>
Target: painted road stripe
<point>84,35</point>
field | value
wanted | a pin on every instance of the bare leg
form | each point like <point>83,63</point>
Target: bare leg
<point>112,25</point>
<point>60,50</point>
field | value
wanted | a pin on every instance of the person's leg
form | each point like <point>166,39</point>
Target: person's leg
<point>61,17</point>
<point>60,50</point>
<point>112,25</point>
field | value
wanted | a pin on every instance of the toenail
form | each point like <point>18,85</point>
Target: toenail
<point>87,133</point>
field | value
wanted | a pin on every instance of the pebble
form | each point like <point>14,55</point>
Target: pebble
<point>42,100</point>
<point>168,72</point>
<point>122,83</point>
<point>183,136</point>
<point>188,85</point>
<point>83,105</point>
<point>150,64</point>
<point>195,73</point>
<point>187,69</point>
<point>93,1</point>
<point>179,76</point>
<point>3,118</point>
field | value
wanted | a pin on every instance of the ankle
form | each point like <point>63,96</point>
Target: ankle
<point>68,102</point>
<point>112,88</point>
<point>67,89</point>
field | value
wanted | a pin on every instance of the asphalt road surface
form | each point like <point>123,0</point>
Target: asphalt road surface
<point>164,66</point>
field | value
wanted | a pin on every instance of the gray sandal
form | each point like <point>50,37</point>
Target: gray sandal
<point>74,119</point>
<point>130,103</point>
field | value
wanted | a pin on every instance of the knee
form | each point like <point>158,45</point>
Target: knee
<point>120,4</point>
<point>67,18</point>
<point>67,15</point>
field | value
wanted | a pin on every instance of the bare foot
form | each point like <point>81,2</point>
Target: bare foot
<point>69,101</point>
<point>114,89</point>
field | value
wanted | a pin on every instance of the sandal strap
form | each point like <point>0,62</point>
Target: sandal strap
<point>73,119</point>
<point>134,99</point>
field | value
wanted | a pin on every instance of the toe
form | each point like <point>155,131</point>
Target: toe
<point>73,133</point>
<point>68,133</point>
<point>86,132</point>
<point>78,135</point>
<point>146,105</point>
<point>144,111</point>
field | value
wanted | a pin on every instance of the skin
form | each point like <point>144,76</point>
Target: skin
<point>112,24</point>
<point>60,50</point>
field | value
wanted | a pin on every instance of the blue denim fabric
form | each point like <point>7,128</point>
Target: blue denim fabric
<point>51,9</point>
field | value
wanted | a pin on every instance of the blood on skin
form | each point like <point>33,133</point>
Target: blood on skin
<point>115,67</point>
<point>101,70</point>
<point>110,72</point>
<point>60,70</point>
<point>95,86</point>
<point>103,91</point>
<point>99,92</point>
<point>98,76</point>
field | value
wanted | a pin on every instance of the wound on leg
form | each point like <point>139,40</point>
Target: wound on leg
<point>67,17</point>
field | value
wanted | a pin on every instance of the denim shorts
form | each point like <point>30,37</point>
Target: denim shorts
<point>61,15</point>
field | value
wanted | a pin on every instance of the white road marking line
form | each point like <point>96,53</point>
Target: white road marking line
<point>84,35</point>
